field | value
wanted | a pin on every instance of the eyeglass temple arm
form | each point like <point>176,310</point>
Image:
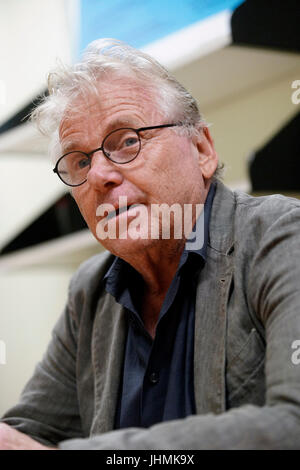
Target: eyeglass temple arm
<point>156,127</point>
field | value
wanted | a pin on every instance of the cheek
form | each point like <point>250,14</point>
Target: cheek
<point>182,163</point>
<point>76,196</point>
<point>83,204</point>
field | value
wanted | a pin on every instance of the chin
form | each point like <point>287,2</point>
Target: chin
<point>124,235</point>
<point>128,246</point>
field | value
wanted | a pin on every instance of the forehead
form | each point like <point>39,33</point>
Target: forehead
<point>123,102</point>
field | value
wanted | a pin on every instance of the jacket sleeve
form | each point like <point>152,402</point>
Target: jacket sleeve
<point>273,294</point>
<point>48,407</point>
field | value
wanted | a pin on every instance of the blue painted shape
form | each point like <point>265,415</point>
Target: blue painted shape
<point>140,22</point>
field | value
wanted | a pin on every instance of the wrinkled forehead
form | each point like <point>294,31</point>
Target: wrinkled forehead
<point>107,98</point>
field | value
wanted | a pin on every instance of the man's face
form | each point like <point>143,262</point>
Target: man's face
<point>167,170</point>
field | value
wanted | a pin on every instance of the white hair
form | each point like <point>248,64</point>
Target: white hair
<point>105,60</point>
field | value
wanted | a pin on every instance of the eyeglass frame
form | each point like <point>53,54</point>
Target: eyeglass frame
<point>89,154</point>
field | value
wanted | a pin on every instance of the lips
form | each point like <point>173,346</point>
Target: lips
<point>120,210</point>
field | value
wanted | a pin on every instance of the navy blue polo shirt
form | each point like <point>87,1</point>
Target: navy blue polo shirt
<point>157,376</point>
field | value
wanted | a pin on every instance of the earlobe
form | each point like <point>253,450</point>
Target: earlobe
<point>208,158</point>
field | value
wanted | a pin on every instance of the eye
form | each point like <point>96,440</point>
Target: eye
<point>130,141</point>
<point>78,160</point>
<point>121,144</point>
<point>84,162</point>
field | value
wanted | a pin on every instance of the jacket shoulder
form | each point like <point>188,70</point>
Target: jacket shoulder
<point>258,214</point>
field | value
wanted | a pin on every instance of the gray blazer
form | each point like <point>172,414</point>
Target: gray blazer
<point>247,388</point>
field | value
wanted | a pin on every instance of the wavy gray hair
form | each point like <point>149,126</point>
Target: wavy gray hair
<point>105,59</point>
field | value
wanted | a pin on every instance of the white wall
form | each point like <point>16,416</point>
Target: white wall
<point>245,93</point>
<point>23,177</point>
<point>33,34</point>
<point>246,122</point>
<point>31,300</point>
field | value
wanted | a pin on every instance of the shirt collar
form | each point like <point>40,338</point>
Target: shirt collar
<point>201,227</point>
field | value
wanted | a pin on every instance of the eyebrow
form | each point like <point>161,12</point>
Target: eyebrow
<point>69,146</point>
<point>113,125</point>
<point>122,122</point>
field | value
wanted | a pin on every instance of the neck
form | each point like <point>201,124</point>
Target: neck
<point>157,269</point>
<point>157,266</point>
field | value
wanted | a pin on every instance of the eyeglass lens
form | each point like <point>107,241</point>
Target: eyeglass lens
<point>120,146</point>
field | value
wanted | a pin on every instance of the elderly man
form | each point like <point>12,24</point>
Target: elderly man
<point>163,344</point>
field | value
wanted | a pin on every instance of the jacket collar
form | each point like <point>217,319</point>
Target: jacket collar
<point>221,231</point>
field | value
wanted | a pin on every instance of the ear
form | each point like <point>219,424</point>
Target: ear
<point>207,155</point>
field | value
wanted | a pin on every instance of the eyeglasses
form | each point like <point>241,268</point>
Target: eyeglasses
<point>119,146</point>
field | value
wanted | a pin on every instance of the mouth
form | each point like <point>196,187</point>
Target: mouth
<point>120,210</point>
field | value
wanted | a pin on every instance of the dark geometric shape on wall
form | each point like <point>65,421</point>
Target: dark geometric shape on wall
<point>23,115</point>
<point>268,23</point>
<point>276,166</point>
<point>60,219</point>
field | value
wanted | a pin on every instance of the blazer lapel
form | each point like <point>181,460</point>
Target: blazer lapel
<point>211,307</point>
<point>108,353</point>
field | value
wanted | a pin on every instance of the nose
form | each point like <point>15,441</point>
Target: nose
<point>103,174</point>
